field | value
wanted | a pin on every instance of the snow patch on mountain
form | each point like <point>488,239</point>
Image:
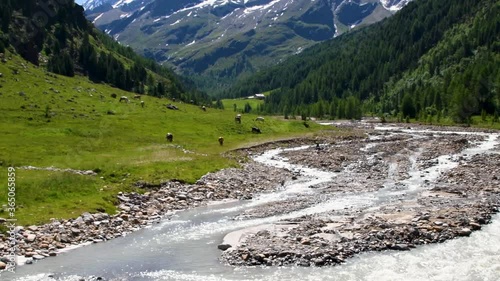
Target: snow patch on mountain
<point>92,4</point>
<point>121,3</point>
<point>394,5</point>
<point>98,17</point>
<point>261,7</point>
<point>176,22</point>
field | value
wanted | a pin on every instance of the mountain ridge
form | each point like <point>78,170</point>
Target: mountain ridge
<point>232,38</point>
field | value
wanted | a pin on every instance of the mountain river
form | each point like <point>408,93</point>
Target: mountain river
<point>185,246</point>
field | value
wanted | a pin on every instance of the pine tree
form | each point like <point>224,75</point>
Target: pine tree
<point>408,107</point>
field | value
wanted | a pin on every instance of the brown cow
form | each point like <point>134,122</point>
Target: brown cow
<point>221,140</point>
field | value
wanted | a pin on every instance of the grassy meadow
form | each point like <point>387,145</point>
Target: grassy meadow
<point>49,120</point>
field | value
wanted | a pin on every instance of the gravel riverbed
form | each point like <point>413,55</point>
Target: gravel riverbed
<point>415,204</point>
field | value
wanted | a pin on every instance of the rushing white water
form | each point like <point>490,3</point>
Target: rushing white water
<point>185,248</point>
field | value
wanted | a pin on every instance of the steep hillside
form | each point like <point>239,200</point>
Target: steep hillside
<point>216,42</point>
<point>56,35</point>
<point>434,58</point>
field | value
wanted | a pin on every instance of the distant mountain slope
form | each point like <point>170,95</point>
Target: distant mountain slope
<point>219,41</point>
<point>56,35</point>
<point>433,59</point>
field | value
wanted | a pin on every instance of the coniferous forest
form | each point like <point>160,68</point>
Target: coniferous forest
<point>56,35</point>
<point>431,60</point>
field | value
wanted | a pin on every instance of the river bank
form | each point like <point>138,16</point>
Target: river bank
<point>137,211</point>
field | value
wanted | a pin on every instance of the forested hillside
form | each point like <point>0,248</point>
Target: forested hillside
<point>433,59</point>
<point>57,36</point>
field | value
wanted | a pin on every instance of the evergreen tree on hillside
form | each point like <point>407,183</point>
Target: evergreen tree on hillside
<point>407,107</point>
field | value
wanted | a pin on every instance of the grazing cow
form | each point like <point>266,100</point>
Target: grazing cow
<point>237,119</point>
<point>113,96</point>
<point>124,98</point>
<point>171,106</point>
<point>256,130</point>
<point>169,137</point>
<point>260,118</point>
<point>221,140</point>
<point>137,97</point>
<point>203,108</point>
<point>142,103</point>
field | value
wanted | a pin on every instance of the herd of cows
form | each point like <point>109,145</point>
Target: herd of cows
<point>170,137</point>
<point>237,119</point>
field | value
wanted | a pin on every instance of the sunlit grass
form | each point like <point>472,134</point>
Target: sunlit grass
<point>48,120</point>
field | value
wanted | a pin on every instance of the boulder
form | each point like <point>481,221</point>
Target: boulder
<point>464,232</point>
<point>223,247</point>
<point>87,218</point>
<point>33,228</point>
<point>38,257</point>
<point>401,247</point>
<point>30,238</point>
<point>475,226</point>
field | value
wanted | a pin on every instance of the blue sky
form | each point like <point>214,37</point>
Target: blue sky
<point>79,1</point>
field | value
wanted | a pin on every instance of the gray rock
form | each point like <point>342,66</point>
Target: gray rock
<point>401,247</point>
<point>475,226</point>
<point>78,220</point>
<point>464,232</point>
<point>33,228</point>
<point>223,247</point>
<point>30,238</point>
<point>38,257</point>
<point>87,218</point>
<point>182,196</point>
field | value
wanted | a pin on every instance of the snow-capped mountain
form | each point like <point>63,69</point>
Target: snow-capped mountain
<point>225,39</point>
<point>92,4</point>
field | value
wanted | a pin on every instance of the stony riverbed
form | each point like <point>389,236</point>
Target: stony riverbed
<point>421,207</point>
